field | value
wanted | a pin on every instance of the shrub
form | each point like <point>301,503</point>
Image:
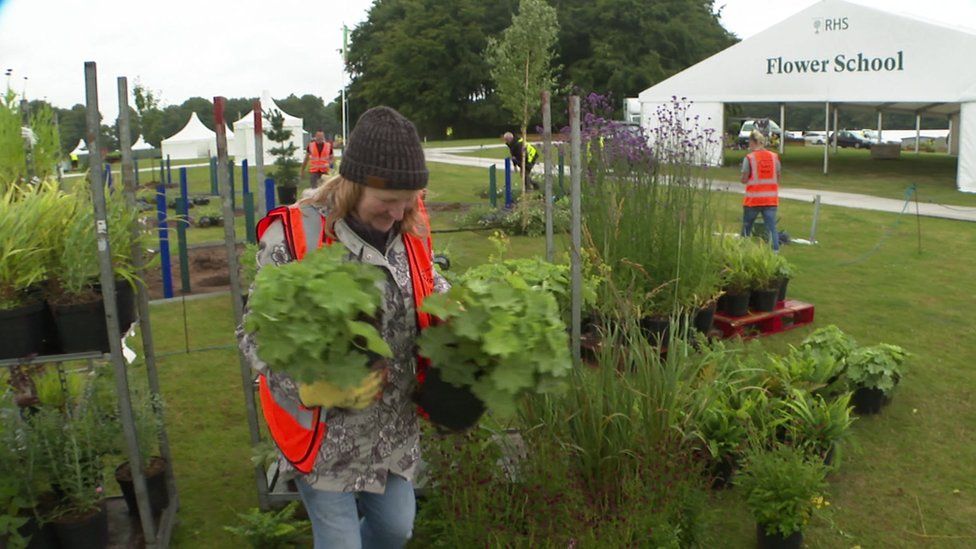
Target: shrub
<point>876,367</point>
<point>781,488</point>
<point>273,530</point>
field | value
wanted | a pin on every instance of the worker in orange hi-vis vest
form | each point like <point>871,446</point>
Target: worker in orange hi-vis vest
<point>761,172</point>
<point>318,157</point>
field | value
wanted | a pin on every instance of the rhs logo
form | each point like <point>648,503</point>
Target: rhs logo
<point>828,24</point>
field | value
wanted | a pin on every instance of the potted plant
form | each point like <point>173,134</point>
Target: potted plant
<point>499,339</point>
<point>736,280</point>
<point>830,340</point>
<point>17,523</point>
<point>146,410</point>
<point>337,299</point>
<point>286,167</point>
<point>782,488</point>
<point>872,373</point>
<point>26,220</point>
<point>816,425</point>
<point>785,271</point>
<point>764,284</point>
<point>722,430</point>
<point>273,530</point>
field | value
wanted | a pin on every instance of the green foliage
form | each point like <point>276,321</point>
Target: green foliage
<point>150,115</point>
<point>526,218</point>
<point>760,264</point>
<point>537,273</point>
<point>502,336</point>
<point>286,167</point>
<point>16,496</point>
<point>781,487</point>
<point>13,157</point>
<point>249,265</point>
<point>315,319</point>
<point>46,151</point>
<point>783,268</point>
<point>831,341</point>
<point>29,221</point>
<point>815,425</point>
<point>735,264</point>
<point>272,530</point>
<point>521,63</point>
<point>876,367</point>
<point>804,369</point>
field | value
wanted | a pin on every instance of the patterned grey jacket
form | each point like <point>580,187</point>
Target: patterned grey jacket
<point>363,447</point>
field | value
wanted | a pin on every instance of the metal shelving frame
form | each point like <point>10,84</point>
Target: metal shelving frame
<point>156,533</point>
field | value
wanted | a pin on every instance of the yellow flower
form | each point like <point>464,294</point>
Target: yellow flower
<point>819,502</point>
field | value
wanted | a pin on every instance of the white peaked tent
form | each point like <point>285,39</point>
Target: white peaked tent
<point>80,149</point>
<point>839,55</point>
<point>194,141</point>
<point>244,129</point>
<point>141,145</point>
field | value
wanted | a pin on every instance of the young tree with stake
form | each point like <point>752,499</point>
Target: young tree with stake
<point>521,63</point>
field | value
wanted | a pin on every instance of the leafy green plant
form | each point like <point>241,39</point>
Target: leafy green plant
<point>74,256</point>
<point>249,265</point>
<point>286,167</point>
<point>781,488</point>
<point>315,319</point>
<point>29,228</point>
<point>16,496</point>
<point>735,265</point>
<point>526,218</point>
<point>831,341</point>
<point>814,424</point>
<point>273,530</point>
<point>501,336</point>
<point>537,273</point>
<point>783,268</point>
<point>805,369</point>
<point>760,264</point>
<point>876,367</point>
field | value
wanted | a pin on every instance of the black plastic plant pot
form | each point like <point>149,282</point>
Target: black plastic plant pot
<point>287,195</point>
<point>155,483</point>
<point>655,328</point>
<point>868,401</point>
<point>22,330</point>
<point>783,283</point>
<point>125,304</point>
<point>722,471</point>
<point>704,317</point>
<point>777,540</point>
<point>88,531</point>
<point>81,327</point>
<point>763,301</point>
<point>735,304</point>
<point>450,407</point>
<point>40,536</point>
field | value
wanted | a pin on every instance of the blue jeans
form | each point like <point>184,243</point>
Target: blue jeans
<point>749,215</point>
<point>387,518</point>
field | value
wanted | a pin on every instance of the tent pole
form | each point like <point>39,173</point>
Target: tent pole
<point>918,130</point>
<point>835,129</point>
<point>826,134</point>
<point>782,127</point>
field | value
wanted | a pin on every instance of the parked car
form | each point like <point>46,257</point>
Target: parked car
<point>872,136</point>
<point>814,138</point>
<point>848,138</point>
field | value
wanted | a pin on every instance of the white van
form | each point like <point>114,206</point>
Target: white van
<point>747,127</point>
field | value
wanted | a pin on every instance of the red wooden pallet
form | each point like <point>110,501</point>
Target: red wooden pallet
<point>788,314</point>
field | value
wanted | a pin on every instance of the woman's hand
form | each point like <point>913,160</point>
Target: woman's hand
<point>328,395</point>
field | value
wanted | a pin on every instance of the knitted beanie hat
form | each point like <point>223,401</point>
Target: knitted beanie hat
<point>384,152</point>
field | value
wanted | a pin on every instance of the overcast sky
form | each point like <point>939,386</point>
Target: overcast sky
<point>185,48</point>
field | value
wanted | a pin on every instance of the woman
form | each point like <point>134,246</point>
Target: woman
<point>361,443</point>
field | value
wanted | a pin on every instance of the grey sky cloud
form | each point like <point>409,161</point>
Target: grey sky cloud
<point>186,48</point>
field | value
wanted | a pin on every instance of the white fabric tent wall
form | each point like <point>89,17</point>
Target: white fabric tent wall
<point>699,118</point>
<point>847,54</point>
<point>80,149</point>
<point>966,178</point>
<point>244,129</point>
<point>193,141</point>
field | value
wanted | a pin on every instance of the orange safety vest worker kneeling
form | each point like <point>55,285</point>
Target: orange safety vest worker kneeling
<point>762,188</point>
<point>299,431</point>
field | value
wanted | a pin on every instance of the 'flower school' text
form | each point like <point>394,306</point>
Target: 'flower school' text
<point>842,63</point>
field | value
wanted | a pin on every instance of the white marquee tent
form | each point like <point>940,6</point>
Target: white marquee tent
<point>193,141</point>
<point>839,55</point>
<point>80,149</point>
<point>141,145</point>
<point>245,133</point>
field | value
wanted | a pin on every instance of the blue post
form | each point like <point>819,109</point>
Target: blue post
<point>108,175</point>
<point>492,187</point>
<point>213,176</point>
<point>245,178</point>
<point>508,183</point>
<point>165,265</point>
<point>269,193</point>
<point>230,181</point>
<point>169,173</point>
<point>162,171</point>
<point>135,166</point>
<point>181,225</point>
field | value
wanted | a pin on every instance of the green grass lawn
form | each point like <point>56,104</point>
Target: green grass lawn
<point>906,481</point>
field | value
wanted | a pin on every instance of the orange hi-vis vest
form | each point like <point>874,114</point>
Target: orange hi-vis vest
<point>299,431</point>
<point>319,162</point>
<point>762,189</point>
